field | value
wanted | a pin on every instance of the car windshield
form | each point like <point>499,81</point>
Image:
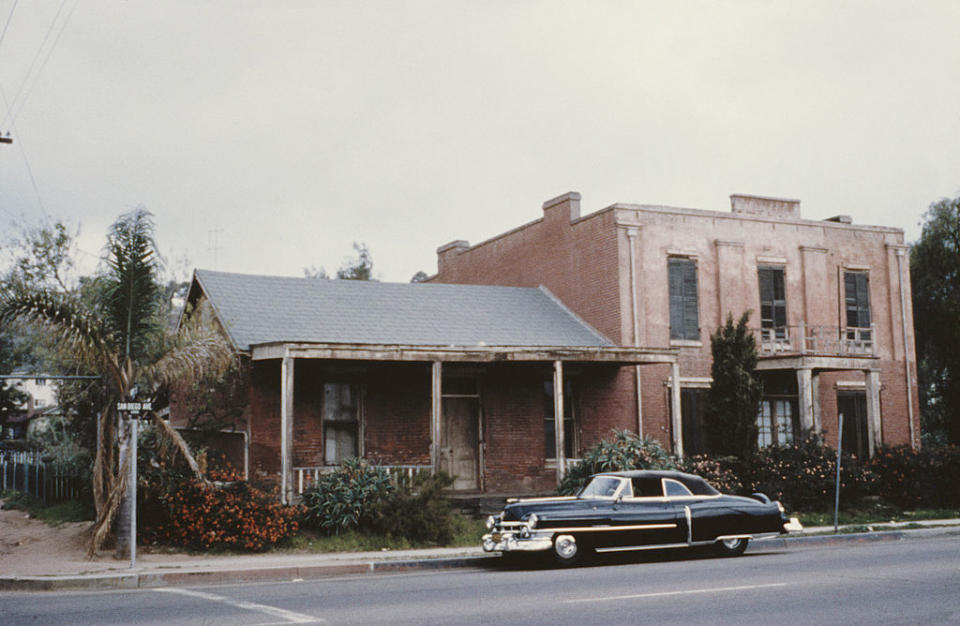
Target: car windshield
<point>601,487</point>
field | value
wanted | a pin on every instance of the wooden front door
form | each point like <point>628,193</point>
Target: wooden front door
<point>460,441</point>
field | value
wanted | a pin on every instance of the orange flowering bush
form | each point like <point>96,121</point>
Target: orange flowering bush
<point>200,516</point>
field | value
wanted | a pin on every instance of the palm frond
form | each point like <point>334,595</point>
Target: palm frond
<point>196,351</point>
<point>68,322</point>
<point>180,444</point>
<point>132,289</point>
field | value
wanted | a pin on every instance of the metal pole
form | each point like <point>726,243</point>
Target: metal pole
<point>836,501</point>
<point>134,421</point>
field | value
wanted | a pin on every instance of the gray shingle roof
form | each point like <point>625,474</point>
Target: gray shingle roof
<point>264,309</point>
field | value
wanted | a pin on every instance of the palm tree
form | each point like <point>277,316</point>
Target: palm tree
<point>119,332</point>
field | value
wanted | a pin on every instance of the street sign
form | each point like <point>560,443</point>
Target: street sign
<point>134,407</point>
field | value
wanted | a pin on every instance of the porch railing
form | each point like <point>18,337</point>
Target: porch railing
<point>48,481</point>
<point>817,340</point>
<point>402,475</point>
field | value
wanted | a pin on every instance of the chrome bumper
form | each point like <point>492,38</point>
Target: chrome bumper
<point>511,541</point>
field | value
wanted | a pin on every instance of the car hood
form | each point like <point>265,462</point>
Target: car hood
<point>545,508</point>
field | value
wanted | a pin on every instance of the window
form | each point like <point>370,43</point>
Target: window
<point>341,422</point>
<point>776,422</point>
<point>675,489</point>
<point>693,405</point>
<point>856,287</point>
<point>569,423</point>
<point>773,303</point>
<point>684,309</point>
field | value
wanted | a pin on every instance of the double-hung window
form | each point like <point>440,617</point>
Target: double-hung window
<point>773,303</point>
<point>856,286</point>
<point>684,306</point>
<point>569,421</point>
<point>341,422</point>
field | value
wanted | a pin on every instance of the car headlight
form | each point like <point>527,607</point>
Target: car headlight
<point>491,522</point>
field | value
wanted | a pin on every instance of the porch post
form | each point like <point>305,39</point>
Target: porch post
<point>873,410</point>
<point>817,409</point>
<point>286,429</point>
<point>805,391</point>
<point>676,417</point>
<point>558,419</point>
<point>436,405</point>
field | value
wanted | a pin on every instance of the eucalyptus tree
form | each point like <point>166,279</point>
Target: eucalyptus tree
<point>118,329</point>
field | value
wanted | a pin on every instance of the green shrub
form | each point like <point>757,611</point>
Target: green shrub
<point>925,478</point>
<point>625,452</point>
<point>721,473</point>
<point>343,499</point>
<point>419,512</point>
<point>803,476</point>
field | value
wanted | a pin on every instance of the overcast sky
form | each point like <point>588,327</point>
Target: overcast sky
<point>281,132</point>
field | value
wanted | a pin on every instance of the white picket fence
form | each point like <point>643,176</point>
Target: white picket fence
<point>27,472</point>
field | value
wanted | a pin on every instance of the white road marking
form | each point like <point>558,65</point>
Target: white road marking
<point>663,594</point>
<point>290,616</point>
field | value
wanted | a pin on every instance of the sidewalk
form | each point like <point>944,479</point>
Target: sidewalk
<point>162,570</point>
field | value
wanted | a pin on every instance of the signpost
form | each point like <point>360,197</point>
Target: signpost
<point>133,410</point>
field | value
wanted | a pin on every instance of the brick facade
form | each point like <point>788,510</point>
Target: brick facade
<point>586,262</point>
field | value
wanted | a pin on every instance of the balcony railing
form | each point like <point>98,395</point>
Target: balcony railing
<point>817,340</point>
<point>400,474</point>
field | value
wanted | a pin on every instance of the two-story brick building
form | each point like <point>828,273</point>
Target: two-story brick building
<point>830,301</point>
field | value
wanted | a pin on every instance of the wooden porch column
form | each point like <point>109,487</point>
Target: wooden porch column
<point>676,416</point>
<point>558,419</point>
<point>436,406</point>
<point>874,428</point>
<point>805,393</point>
<point>286,430</point>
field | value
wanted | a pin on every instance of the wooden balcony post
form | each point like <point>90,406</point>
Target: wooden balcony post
<point>676,417</point>
<point>806,399</point>
<point>436,406</point>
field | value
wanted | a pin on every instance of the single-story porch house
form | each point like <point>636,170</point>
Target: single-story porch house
<point>497,386</point>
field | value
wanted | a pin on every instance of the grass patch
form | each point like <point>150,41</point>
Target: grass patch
<point>53,514</point>
<point>878,513</point>
<point>467,533</point>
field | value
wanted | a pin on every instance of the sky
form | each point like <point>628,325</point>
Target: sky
<point>267,137</point>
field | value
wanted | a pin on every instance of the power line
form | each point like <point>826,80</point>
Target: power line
<point>33,63</point>
<point>43,64</point>
<point>9,19</point>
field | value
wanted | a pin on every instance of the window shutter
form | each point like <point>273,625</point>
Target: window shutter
<point>691,310</point>
<point>675,279</point>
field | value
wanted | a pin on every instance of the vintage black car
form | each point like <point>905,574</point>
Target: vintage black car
<point>635,510</point>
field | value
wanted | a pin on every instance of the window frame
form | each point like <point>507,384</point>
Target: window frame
<point>683,291</point>
<point>357,392</point>
<point>777,323</point>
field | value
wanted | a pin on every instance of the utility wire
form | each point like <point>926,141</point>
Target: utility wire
<point>36,76</point>
<point>33,63</point>
<point>26,161</point>
<point>9,19</point>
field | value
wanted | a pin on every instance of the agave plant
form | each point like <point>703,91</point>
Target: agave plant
<point>119,332</point>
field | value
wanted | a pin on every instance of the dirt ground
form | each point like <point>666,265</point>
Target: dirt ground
<point>30,547</point>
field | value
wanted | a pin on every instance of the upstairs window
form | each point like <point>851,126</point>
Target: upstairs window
<point>684,307</point>
<point>856,286</point>
<point>773,303</point>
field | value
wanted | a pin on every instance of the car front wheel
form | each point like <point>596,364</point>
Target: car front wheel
<point>732,547</point>
<point>566,551</point>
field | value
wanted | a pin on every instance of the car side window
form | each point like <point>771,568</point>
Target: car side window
<point>647,488</point>
<point>675,489</point>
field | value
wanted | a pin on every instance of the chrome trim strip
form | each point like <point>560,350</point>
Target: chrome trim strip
<point>661,546</point>
<point>583,529</point>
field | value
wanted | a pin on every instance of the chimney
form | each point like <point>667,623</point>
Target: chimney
<point>743,204</point>
<point>566,206</point>
<point>449,251</point>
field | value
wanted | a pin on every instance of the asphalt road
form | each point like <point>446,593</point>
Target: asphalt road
<point>915,581</point>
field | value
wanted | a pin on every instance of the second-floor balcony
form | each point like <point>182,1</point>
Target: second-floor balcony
<point>840,341</point>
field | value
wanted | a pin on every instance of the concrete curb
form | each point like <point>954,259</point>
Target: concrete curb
<point>187,577</point>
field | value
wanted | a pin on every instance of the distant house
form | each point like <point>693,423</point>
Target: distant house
<point>40,404</point>
<point>830,303</point>
<point>486,383</point>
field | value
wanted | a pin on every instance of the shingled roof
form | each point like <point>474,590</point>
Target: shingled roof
<point>266,309</point>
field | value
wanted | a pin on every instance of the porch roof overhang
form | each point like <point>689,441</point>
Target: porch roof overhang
<point>817,362</point>
<point>463,354</point>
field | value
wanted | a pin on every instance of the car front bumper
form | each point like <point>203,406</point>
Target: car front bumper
<point>511,541</point>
